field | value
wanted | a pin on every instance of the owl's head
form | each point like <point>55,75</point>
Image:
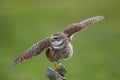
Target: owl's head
<point>59,40</point>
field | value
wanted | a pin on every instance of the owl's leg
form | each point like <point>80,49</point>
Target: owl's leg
<point>56,65</point>
<point>60,68</point>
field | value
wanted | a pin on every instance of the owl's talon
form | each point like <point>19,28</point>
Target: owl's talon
<point>56,66</point>
<point>60,68</point>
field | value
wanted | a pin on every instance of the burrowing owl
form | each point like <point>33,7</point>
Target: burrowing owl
<point>57,46</point>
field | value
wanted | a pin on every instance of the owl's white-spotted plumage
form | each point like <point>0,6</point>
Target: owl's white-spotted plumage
<point>60,47</point>
<point>57,46</point>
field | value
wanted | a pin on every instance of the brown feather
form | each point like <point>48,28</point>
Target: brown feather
<point>33,51</point>
<point>71,29</point>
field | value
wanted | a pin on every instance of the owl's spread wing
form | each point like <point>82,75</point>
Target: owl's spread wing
<point>71,29</point>
<point>33,51</point>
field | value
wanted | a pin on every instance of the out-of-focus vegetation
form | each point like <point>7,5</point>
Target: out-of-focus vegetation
<point>96,49</point>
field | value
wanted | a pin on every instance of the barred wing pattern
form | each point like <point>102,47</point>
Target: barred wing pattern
<point>33,51</point>
<point>71,29</point>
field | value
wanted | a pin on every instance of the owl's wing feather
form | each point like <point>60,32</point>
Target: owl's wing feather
<point>73,28</point>
<point>33,51</point>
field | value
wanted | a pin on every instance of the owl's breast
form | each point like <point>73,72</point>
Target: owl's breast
<point>69,52</point>
<point>57,54</point>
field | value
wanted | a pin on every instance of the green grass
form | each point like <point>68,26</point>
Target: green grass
<point>96,49</point>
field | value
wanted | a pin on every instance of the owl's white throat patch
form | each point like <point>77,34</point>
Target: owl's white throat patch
<point>57,44</point>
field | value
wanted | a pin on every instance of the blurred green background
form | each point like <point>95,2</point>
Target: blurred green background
<point>96,49</point>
